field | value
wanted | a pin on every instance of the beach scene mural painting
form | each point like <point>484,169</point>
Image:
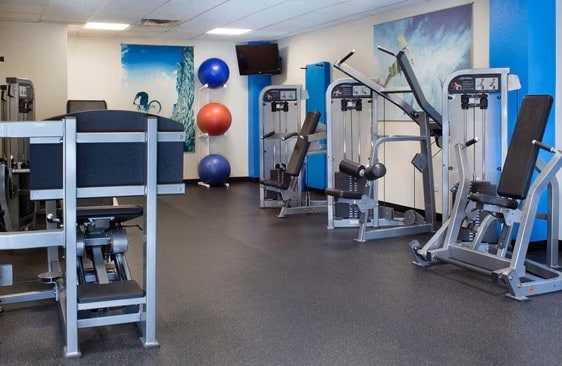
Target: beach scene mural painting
<point>436,43</point>
<point>160,80</point>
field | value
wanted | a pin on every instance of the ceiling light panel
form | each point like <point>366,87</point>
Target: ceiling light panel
<point>229,31</point>
<point>106,26</point>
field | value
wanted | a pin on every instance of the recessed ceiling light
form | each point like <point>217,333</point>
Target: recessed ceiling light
<point>106,26</point>
<point>229,31</point>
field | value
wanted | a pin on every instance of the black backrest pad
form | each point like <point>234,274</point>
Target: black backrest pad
<point>112,164</point>
<point>297,157</point>
<point>76,105</point>
<point>310,123</point>
<point>522,154</point>
<point>301,146</point>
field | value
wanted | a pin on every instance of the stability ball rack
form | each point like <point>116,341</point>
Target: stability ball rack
<point>63,155</point>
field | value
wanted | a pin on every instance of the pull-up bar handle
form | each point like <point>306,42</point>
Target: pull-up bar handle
<point>471,142</point>
<point>540,145</point>
<point>382,49</point>
<point>344,59</point>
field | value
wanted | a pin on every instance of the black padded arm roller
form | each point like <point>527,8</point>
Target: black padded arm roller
<point>375,172</point>
<point>352,168</point>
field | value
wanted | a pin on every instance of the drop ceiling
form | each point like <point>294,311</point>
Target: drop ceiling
<point>268,19</point>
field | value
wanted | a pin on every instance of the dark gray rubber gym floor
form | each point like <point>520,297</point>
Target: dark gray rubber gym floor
<point>239,286</point>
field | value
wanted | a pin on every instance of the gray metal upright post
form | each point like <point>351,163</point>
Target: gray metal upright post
<point>148,324</point>
<point>71,281</point>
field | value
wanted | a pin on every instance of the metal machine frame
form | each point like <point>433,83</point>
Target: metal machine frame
<point>65,288</point>
<point>386,226</point>
<point>294,200</point>
<point>523,276</point>
<point>453,135</point>
<point>280,99</point>
<point>358,93</point>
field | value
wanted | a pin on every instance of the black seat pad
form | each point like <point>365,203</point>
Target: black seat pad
<point>275,183</point>
<point>343,194</point>
<point>121,213</point>
<point>494,200</point>
<point>118,290</point>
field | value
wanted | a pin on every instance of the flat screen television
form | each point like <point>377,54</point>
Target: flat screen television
<point>257,59</point>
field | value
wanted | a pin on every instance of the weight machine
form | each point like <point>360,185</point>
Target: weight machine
<point>350,120</point>
<point>18,104</point>
<point>280,129</point>
<point>516,202</point>
<point>97,154</point>
<point>375,221</point>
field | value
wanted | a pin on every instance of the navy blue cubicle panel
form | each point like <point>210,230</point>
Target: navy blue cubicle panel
<point>317,79</point>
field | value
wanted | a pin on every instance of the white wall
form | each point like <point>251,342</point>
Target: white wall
<point>37,52</point>
<point>94,72</point>
<point>333,43</point>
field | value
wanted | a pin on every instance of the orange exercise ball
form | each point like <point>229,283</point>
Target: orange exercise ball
<point>214,119</point>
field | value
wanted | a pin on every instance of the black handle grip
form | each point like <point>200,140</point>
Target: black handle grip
<point>289,135</point>
<point>471,142</point>
<point>269,134</point>
<point>344,59</point>
<point>382,49</point>
<point>540,145</point>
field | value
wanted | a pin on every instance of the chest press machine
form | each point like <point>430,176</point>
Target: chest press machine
<point>375,221</point>
<point>97,154</point>
<point>288,184</point>
<point>516,202</point>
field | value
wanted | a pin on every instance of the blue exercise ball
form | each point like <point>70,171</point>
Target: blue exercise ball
<point>214,72</point>
<point>214,170</point>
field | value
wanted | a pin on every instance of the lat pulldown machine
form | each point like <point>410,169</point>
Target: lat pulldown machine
<point>375,221</point>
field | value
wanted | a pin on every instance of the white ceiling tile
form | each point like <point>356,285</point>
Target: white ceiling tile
<point>70,10</point>
<point>233,10</point>
<point>126,11</point>
<point>275,14</point>
<point>270,19</point>
<point>20,17</point>
<point>23,6</point>
<point>183,10</point>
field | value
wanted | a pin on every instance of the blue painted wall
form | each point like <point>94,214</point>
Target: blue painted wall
<point>522,37</point>
<point>255,84</point>
<point>317,79</point>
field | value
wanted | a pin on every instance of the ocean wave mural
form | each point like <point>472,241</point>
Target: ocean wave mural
<point>160,80</point>
<point>436,43</point>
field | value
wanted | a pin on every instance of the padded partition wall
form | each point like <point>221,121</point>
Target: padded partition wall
<point>317,79</point>
<point>108,164</point>
<point>522,37</point>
